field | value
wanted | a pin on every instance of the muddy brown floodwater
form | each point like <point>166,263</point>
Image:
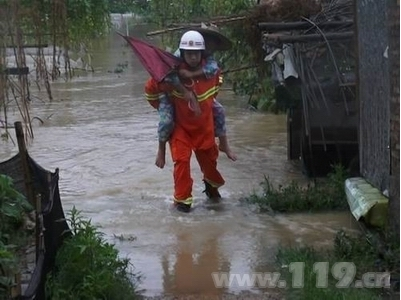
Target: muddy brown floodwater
<point>100,132</point>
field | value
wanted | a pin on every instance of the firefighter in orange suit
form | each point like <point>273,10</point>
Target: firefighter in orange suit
<point>192,131</point>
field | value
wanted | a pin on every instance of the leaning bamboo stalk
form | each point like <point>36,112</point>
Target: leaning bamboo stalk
<point>156,32</point>
<point>194,25</point>
<point>16,39</point>
<point>277,26</point>
<point>217,21</point>
<point>55,71</point>
<point>3,88</point>
<point>239,69</point>
<point>306,38</point>
<point>41,66</point>
<point>39,243</point>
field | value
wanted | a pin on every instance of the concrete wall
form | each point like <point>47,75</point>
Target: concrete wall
<point>394,56</point>
<point>373,91</point>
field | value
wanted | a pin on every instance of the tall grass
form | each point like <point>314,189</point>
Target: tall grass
<point>328,194</point>
<point>361,254</point>
<point>88,267</point>
<point>13,234</point>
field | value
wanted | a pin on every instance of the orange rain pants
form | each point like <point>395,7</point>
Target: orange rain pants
<point>191,133</point>
<point>207,159</point>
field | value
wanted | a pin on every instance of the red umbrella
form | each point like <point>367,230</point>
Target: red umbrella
<point>157,62</point>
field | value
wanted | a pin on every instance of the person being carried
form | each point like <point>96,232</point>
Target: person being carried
<point>190,132</point>
<point>213,41</point>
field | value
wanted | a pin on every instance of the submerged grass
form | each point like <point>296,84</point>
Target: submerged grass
<point>325,195</point>
<point>330,274</point>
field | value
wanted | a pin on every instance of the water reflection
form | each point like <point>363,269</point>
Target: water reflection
<point>189,270</point>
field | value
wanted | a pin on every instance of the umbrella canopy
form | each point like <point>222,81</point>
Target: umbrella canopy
<point>159,63</point>
<point>211,32</point>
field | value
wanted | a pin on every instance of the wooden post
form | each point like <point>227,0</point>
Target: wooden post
<point>16,288</point>
<point>39,227</point>
<point>24,163</point>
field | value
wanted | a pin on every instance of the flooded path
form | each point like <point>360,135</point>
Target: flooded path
<point>100,132</point>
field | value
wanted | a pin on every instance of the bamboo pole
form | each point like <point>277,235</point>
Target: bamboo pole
<point>277,26</point>
<point>216,21</point>
<point>239,69</point>
<point>39,227</point>
<point>306,38</point>
<point>156,32</point>
<point>194,25</point>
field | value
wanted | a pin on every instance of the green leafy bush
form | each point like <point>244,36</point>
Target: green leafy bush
<point>373,251</point>
<point>326,195</point>
<point>8,267</point>
<point>13,207</point>
<point>311,276</point>
<point>87,267</point>
<point>124,6</point>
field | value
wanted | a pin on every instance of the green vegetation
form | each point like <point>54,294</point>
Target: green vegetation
<point>180,11</point>
<point>123,6</point>
<point>354,255</point>
<point>87,267</point>
<point>65,26</point>
<point>13,207</point>
<point>86,19</point>
<point>351,257</point>
<point>59,23</point>
<point>328,194</point>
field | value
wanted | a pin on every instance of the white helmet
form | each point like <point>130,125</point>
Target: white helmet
<point>192,40</point>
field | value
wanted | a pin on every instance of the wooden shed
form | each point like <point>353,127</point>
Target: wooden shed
<point>374,29</point>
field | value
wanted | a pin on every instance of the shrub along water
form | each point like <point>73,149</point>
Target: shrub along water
<point>331,275</point>
<point>327,194</point>
<point>87,267</point>
<point>13,208</point>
